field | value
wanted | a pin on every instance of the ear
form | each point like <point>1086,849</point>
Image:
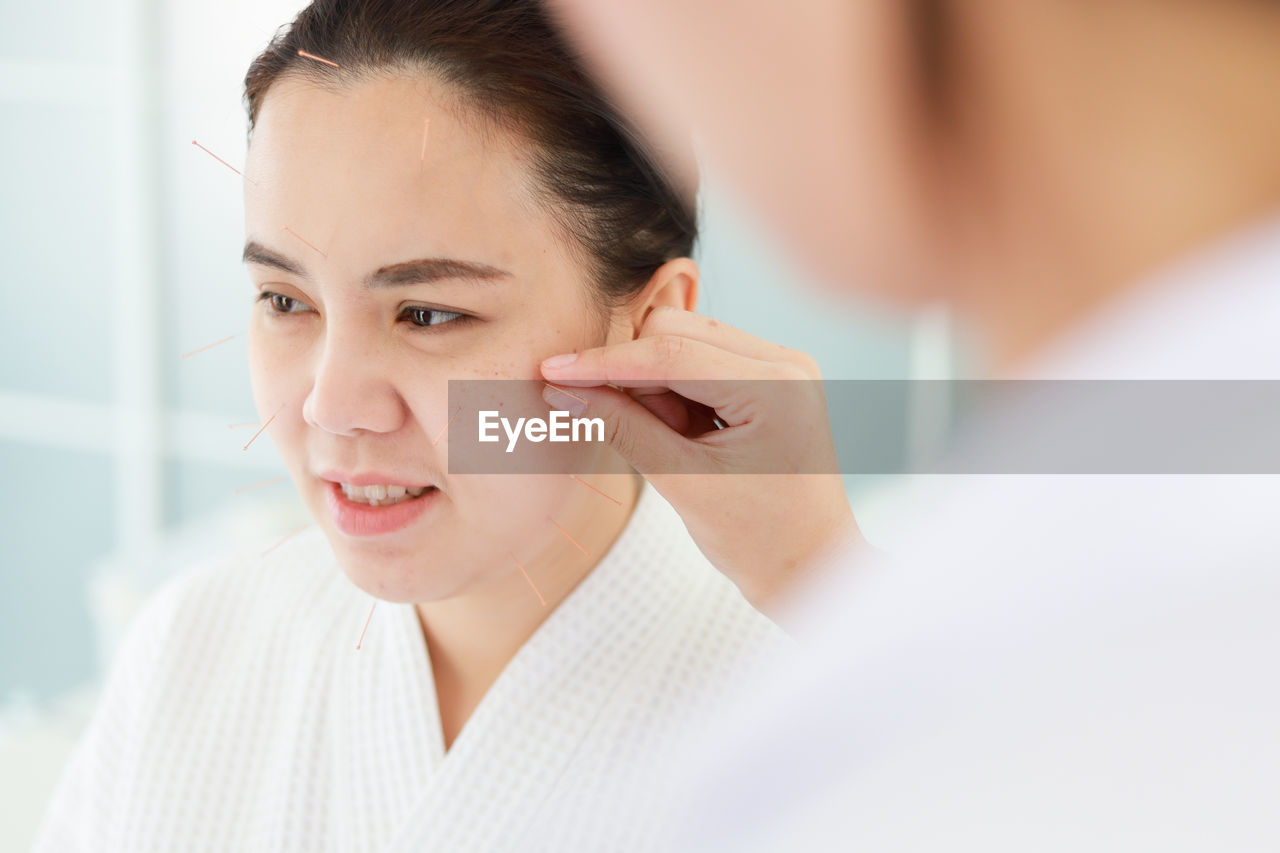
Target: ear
<point>675,283</point>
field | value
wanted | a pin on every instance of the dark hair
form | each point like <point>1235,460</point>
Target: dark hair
<point>507,59</point>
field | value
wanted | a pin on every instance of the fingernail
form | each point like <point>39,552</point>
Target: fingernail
<point>560,360</point>
<point>563,402</point>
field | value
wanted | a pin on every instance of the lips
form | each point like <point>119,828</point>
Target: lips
<point>358,518</point>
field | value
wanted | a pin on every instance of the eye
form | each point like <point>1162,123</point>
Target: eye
<point>424,317</point>
<point>281,304</point>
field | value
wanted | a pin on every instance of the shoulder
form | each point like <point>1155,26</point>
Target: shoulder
<point>251,582</point>
<point>225,634</point>
<point>233,606</point>
<point>200,672</point>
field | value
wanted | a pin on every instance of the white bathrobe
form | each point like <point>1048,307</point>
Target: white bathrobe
<point>240,716</point>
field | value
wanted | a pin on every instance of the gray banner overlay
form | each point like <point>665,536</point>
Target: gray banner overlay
<point>902,426</point>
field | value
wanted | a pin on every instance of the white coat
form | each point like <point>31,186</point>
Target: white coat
<point>1046,662</point>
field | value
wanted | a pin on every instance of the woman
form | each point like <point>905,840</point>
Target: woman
<point>434,191</point>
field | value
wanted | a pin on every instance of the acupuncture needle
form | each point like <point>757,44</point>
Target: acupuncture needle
<point>576,543</point>
<point>318,58</point>
<point>266,424</point>
<point>284,539</point>
<point>307,242</point>
<point>224,162</point>
<point>258,485</point>
<point>594,489</point>
<point>207,346</point>
<point>446,426</point>
<point>367,620</point>
<point>529,579</point>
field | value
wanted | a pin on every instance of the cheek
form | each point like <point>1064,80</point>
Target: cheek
<point>279,378</point>
<point>269,372</point>
<point>514,511</point>
<point>566,320</point>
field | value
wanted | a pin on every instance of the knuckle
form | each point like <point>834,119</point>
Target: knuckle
<point>616,433</point>
<point>669,347</point>
<point>787,370</point>
<point>804,364</point>
<point>809,365</point>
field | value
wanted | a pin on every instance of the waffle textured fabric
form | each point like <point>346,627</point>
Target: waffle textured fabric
<point>240,716</point>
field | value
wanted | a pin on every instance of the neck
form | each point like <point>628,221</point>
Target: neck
<point>471,637</point>
<point>1115,138</point>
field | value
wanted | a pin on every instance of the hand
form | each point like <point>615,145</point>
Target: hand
<point>683,370</point>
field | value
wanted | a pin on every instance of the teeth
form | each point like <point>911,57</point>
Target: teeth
<point>381,495</point>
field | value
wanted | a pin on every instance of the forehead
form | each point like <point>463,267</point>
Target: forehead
<point>382,166</point>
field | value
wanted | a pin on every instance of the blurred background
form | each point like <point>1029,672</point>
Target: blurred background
<point>121,251</point>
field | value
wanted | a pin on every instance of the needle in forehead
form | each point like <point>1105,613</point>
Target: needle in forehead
<point>223,162</point>
<point>307,242</point>
<point>318,58</point>
<point>258,485</point>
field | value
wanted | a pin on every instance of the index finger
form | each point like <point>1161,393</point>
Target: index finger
<point>691,368</point>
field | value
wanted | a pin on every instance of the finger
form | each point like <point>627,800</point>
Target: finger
<point>669,320</point>
<point>691,368</point>
<point>686,417</point>
<point>638,435</point>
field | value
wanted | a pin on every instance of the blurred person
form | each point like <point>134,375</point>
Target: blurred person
<point>1069,662</point>
<point>442,194</point>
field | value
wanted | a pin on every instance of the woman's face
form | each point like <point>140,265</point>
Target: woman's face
<point>393,247</point>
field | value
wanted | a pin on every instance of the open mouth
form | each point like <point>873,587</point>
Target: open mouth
<point>378,509</point>
<point>383,495</point>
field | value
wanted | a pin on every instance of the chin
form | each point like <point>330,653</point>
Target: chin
<point>396,578</point>
<point>394,574</point>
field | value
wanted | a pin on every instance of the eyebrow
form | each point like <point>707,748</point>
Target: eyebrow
<point>421,271</point>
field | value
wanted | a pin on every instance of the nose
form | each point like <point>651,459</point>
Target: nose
<point>352,391</point>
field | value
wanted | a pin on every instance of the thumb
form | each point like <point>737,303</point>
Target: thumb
<point>637,434</point>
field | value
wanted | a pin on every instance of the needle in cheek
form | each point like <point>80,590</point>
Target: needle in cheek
<point>565,391</point>
<point>207,346</point>
<point>266,424</point>
<point>446,426</point>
